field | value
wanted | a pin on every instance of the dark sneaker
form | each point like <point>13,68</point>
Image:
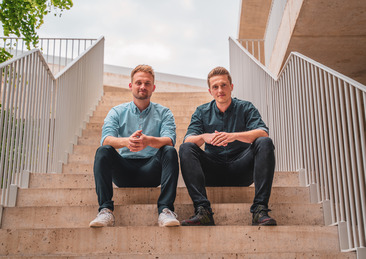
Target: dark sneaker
<point>203,217</point>
<point>261,218</point>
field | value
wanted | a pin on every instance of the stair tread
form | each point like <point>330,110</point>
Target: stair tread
<point>146,215</point>
<point>208,255</point>
<point>87,196</point>
<point>152,239</point>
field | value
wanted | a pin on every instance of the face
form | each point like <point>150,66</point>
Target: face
<point>221,89</point>
<point>142,85</point>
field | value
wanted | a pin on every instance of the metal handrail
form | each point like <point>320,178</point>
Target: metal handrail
<point>317,120</point>
<point>57,51</point>
<point>41,115</point>
<point>255,47</point>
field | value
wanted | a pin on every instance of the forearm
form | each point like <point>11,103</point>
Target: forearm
<point>115,142</point>
<point>158,142</point>
<point>248,136</point>
<point>199,140</point>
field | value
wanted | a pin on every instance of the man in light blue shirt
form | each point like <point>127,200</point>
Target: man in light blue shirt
<point>144,133</point>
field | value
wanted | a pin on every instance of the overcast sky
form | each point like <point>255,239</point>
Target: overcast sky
<point>182,37</point>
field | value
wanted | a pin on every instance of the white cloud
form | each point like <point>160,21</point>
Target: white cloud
<point>149,51</point>
<point>184,37</point>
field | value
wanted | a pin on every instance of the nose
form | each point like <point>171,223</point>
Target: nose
<point>143,86</point>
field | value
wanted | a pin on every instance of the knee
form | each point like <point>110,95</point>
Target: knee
<point>264,143</point>
<point>169,150</point>
<point>186,148</point>
<point>104,153</point>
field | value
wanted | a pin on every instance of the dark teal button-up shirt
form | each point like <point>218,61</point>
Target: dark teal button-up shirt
<point>240,116</point>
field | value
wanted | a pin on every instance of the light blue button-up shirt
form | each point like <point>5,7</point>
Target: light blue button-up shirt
<point>124,119</point>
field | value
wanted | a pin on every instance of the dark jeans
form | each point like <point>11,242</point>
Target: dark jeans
<point>255,164</point>
<point>161,169</point>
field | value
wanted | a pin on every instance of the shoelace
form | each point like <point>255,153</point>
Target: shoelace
<point>107,213</point>
<point>166,212</point>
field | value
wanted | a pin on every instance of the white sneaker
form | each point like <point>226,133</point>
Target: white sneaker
<point>168,218</point>
<point>105,218</point>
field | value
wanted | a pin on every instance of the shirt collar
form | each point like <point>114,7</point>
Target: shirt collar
<point>136,110</point>
<point>229,109</point>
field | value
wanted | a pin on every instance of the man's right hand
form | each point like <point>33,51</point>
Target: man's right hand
<point>135,143</point>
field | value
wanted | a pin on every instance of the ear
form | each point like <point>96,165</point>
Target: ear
<point>130,85</point>
<point>154,88</point>
<point>209,90</point>
<point>232,87</point>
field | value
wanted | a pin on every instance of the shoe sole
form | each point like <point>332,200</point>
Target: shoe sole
<point>170,224</point>
<point>266,223</point>
<point>99,225</point>
<point>196,225</point>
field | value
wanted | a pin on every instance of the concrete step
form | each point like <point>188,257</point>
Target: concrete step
<point>86,180</point>
<point>207,255</point>
<point>176,106</point>
<point>147,214</point>
<point>77,168</point>
<point>167,102</point>
<point>151,240</point>
<point>168,95</point>
<point>125,196</point>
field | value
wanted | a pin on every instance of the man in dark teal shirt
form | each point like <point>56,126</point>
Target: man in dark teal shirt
<point>237,152</point>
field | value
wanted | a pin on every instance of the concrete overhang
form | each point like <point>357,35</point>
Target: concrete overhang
<point>253,18</point>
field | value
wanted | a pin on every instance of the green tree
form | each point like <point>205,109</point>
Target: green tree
<point>23,17</point>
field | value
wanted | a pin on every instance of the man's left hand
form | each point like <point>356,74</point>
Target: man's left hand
<point>138,143</point>
<point>222,138</point>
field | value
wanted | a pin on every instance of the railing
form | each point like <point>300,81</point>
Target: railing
<point>58,52</point>
<point>41,114</point>
<point>317,120</point>
<point>255,47</point>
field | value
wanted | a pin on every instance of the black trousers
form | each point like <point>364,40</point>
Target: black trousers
<point>255,164</point>
<point>161,169</point>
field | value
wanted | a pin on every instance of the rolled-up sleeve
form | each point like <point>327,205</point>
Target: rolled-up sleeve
<point>196,126</point>
<point>168,127</point>
<point>110,126</point>
<point>254,119</point>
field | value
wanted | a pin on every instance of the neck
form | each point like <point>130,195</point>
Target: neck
<point>141,104</point>
<point>223,106</point>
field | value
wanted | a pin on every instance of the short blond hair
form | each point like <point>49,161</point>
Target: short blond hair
<point>143,68</point>
<point>218,71</point>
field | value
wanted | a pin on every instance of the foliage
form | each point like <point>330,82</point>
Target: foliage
<point>22,17</point>
<point>4,55</point>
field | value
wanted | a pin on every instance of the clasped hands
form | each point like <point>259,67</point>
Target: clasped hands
<point>218,138</point>
<point>137,141</point>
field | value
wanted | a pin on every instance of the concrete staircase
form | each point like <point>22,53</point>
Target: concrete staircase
<point>52,216</point>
